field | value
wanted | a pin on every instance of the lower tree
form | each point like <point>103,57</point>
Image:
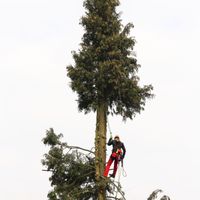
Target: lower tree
<point>72,171</point>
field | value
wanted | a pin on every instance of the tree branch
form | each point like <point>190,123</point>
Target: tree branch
<point>110,197</point>
<point>80,148</point>
<point>47,170</point>
<point>118,190</point>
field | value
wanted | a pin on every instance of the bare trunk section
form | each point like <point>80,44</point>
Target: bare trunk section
<point>100,148</point>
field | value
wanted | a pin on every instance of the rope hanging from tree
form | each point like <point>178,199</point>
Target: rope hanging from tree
<point>109,127</point>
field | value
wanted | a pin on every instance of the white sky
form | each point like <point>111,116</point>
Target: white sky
<point>36,40</point>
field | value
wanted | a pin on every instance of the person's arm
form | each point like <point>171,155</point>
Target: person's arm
<point>110,141</point>
<point>124,150</point>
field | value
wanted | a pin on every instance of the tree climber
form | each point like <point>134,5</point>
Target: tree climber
<point>118,153</point>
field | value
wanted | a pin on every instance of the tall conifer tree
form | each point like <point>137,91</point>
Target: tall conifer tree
<point>105,73</point>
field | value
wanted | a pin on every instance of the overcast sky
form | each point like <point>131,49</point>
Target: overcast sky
<point>36,40</point>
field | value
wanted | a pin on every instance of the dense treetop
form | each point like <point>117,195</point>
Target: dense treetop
<point>105,67</point>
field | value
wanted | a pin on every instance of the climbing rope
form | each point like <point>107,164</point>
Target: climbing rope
<point>124,174</point>
<point>109,128</point>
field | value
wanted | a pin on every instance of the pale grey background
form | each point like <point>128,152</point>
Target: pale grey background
<point>36,40</point>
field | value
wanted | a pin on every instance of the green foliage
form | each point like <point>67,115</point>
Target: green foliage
<point>51,138</point>
<point>72,172</point>
<point>105,67</point>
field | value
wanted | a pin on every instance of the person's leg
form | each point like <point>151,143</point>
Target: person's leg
<point>108,166</point>
<point>115,166</point>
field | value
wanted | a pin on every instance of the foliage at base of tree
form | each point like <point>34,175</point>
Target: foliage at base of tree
<point>72,171</point>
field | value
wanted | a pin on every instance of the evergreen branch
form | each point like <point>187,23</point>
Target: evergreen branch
<point>81,192</point>
<point>154,194</point>
<point>78,179</point>
<point>119,190</point>
<point>80,148</point>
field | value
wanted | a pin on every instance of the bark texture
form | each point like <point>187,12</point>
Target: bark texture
<point>100,148</point>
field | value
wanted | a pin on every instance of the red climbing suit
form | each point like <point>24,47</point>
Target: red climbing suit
<point>116,156</point>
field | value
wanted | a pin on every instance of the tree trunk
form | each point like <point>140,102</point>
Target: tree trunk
<point>100,148</point>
